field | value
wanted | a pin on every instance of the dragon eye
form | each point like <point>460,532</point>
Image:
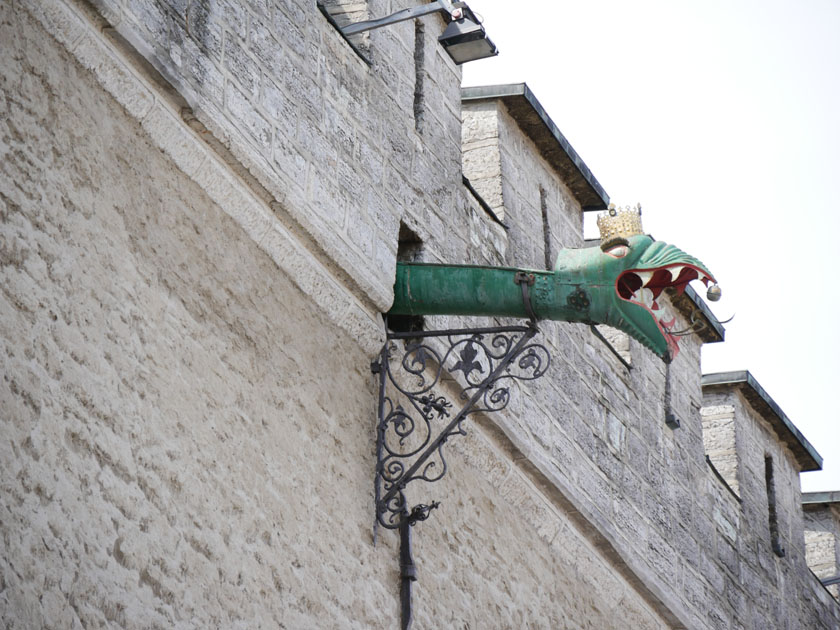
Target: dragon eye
<point>618,251</point>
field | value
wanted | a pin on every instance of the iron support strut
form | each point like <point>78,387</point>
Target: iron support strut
<point>408,573</point>
<point>408,446</point>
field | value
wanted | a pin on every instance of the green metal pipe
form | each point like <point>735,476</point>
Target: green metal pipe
<point>618,286</point>
<point>430,289</point>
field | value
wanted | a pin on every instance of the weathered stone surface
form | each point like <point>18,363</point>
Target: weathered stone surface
<point>822,542</point>
<point>172,456</point>
<point>189,307</point>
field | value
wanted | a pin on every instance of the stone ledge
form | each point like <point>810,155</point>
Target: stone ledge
<point>144,99</point>
<point>806,455</point>
<point>535,122</point>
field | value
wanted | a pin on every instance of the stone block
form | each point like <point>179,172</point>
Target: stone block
<point>227,191</point>
<point>243,115</point>
<point>205,28</point>
<point>58,20</point>
<point>242,68</point>
<point>151,16</point>
<point>176,139</point>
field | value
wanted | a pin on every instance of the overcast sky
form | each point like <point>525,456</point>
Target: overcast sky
<point>722,118</point>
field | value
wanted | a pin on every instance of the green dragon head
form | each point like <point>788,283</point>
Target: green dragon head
<point>622,283</point>
<point>619,284</point>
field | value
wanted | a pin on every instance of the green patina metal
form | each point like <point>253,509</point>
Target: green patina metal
<point>619,287</point>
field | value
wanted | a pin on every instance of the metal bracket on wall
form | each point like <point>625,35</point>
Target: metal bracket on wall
<point>437,6</point>
<point>415,419</point>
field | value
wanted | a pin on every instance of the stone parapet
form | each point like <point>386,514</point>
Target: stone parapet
<point>201,204</point>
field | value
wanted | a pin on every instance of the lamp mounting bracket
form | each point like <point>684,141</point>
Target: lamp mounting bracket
<point>464,39</point>
<point>438,6</point>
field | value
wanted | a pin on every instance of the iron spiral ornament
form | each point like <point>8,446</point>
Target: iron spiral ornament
<point>416,418</point>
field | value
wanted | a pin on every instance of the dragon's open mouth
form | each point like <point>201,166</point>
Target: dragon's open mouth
<point>644,286</point>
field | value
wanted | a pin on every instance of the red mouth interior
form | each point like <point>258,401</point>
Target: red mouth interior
<point>630,282</point>
<point>630,286</point>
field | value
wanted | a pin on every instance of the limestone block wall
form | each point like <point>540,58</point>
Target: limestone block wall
<point>750,555</point>
<point>481,158</point>
<point>598,432</point>
<point>822,542</point>
<point>527,193</point>
<point>187,434</point>
<point>759,441</point>
<point>173,456</point>
<point>719,441</point>
<point>520,186</point>
<point>332,139</point>
<point>603,439</point>
<point>159,429</point>
<point>185,431</point>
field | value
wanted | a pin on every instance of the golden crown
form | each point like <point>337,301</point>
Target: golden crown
<point>619,224</point>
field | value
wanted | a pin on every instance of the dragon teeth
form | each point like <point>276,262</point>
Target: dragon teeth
<point>645,276</point>
<point>675,272</point>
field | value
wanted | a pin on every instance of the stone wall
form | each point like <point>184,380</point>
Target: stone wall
<point>187,436</point>
<point>193,266</point>
<point>158,425</point>
<point>719,442</point>
<point>749,556</point>
<point>321,130</point>
<point>521,187</point>
<point>822,542</point>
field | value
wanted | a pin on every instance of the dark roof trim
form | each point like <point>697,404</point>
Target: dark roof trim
<point>806,455</point>
<point>534,121</point>
<point>810,498</point>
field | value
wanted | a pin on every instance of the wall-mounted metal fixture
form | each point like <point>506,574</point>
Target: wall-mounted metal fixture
<point>671,419</point>
<point>415,417</point>
<point>616,284</point>
<point>464,39</point>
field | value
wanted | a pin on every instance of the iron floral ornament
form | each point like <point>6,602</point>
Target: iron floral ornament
<point>416,420</point>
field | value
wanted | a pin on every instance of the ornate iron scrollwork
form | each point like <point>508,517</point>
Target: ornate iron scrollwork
<point>416,419</point>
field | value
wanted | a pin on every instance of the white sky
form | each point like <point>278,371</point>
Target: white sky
<point>722,118</point>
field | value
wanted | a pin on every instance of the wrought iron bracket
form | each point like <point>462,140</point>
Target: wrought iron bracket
<point>415,420</point>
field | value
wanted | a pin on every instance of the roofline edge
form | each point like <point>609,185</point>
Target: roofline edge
<point>744,377</point>
<point>507,90</point>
